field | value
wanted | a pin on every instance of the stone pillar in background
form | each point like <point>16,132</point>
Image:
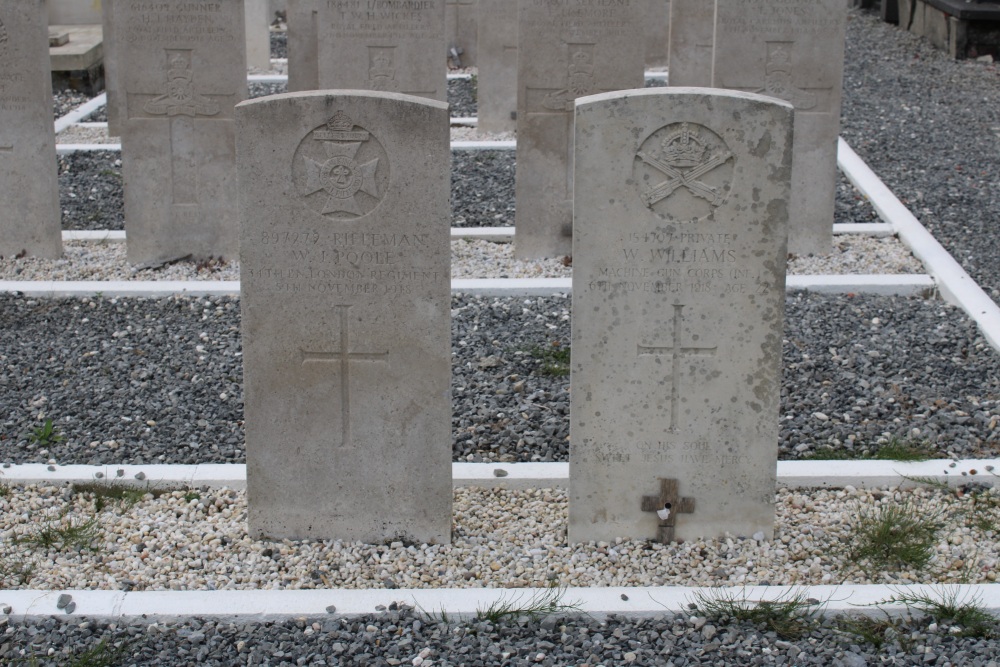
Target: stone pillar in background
<point>258,30</point>
<point>30,219</point>
<point>303,48</point>
<point>691,28</point>
<point>681,203</point>
<point>388,54</point>
<point>496,85</point>
<point>564,52</point>
<point>657,23</point>
<point>346,295</point>
<point>792,50</point>
<point>179,87</point>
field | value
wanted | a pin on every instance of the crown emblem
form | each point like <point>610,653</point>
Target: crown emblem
<point>779,61</point>
<point>683,148</point>
<point>340,122</point>
<point>179,68</point>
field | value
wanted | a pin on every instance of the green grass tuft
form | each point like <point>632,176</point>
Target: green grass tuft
<point>63,537</point>
<point>892,536</point>
<point>540,603</point>
<point>790,616</point>
<point>954,607</point>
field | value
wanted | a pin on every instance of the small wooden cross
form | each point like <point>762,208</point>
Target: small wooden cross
<point>668,500</point>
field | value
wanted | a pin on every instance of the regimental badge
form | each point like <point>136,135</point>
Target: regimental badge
<point>341,170</point>
<point>684,172</point>
<point>181,98</point>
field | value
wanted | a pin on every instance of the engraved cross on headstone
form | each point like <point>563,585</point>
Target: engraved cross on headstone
<point>676,351</point>
<point>344,356</point>
<point>667,505</point>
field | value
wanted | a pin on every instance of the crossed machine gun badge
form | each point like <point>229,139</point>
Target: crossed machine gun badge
<point>683,158</point>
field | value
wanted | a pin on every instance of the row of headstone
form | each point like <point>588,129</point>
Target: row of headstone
<point>679,251</point>
<point>792,50</point>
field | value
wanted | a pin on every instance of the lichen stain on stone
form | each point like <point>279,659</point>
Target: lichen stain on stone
<point>763,146</point>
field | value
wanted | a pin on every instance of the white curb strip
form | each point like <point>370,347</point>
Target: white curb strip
<point>81,112</point>
<point>790,474</point>
<point>158,606</point>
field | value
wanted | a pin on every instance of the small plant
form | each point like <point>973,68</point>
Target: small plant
<point>790,616</point>
<point>541,603</point>
<point>190,496</point>
<point>952,606</point>
<point>4,490</point>
<point>893,535</point>
<point>904,450</point>
<point>876,631</point>
<point>111,492</point>
<point>983,510</point>
<point>827,454</point>
<point>45,435</point>
<point>15,572</point>
<point>555,359</point>
<point>63,536</point>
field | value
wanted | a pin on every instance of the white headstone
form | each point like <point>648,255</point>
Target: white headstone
<point>681,204</point>
<point>692,23</point>
<point>396,47</point>
<point>29,188</point>
<point>657,22</point>
<point>496,85</point>
<point>113,101</point>
<point>564,52</point>
<point>461,30</point>
<point>793,50</point>
<point>181,70</point>
<point>345,293</point>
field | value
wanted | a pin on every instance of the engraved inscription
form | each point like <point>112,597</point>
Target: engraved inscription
<point>340,170</point>
<point>178,22</point>
<point>758,17</point>
<point>344,357</point>
<point>4,41</point>
<point>389,19</point>
<point>676,351</point>
<point>684,172</point>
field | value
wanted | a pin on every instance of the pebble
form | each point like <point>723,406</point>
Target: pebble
<point>503,538</point>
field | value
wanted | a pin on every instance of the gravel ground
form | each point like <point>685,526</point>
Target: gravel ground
<point>187,540</point>
<point>151,381</point>
<point>930,128</point>
<point>400,636</point>
<point>279,44</point>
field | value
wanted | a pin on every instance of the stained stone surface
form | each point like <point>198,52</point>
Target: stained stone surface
<point>496,85</point>
<point>346,300</point>
<point>678,299</point>
<point>564,52</point>
<point>303,49</point>
<point>396,47</point>
<point>691,28</point>
<point>181,70</point>
<point>792,50</point>
<point>461,21</point>
<point>29,186</point>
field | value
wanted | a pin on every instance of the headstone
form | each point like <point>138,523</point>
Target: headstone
<point>461,32</point>
<point>657,22</point>
<point>345,293</point>
<point>793,50</point>
<point>496,84</point>
<point>181,70</point>
<point>303,47</point>
<point>29,188</point>
<point>396,47</point>
<point>113,101</point>
<point>258,34</point>
<point>691,28</point>
<point>74,12</point>
<point>678,297</point>
<point>564,52</point>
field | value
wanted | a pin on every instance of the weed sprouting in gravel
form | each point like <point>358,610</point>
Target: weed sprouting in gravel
<point>791,615</point>
<point>45,435</point>
<point>63,535</point>
<point>540,603</point>
<point>893,535</point>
